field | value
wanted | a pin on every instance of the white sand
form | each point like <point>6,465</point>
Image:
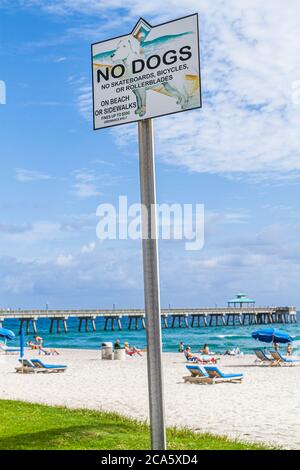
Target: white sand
<point>265,407</point>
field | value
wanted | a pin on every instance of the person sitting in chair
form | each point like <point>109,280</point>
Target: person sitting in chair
<point>132,350</point>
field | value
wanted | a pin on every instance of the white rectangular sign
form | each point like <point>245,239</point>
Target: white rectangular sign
<point>154,71</point>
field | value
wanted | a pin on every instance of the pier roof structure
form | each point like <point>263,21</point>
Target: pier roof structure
<point>241,300</point>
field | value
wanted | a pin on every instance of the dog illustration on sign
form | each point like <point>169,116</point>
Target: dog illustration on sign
<point>133,52</point>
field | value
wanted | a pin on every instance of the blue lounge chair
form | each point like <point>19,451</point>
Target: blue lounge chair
<point>283,361</point>
<point>262,358</point>
<point>35,366</point>
<point>9,349</point>
<point>198,375</point>
<point>26,366</point>
<point>38,364</point>
<point>218,376</point>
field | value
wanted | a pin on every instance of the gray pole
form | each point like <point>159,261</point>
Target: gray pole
<point>151,286</point>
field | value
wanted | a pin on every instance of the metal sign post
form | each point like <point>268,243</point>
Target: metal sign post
<point>153,71</point>
<point>151,283</point>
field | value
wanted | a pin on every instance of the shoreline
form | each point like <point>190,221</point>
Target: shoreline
<point>240,411</point>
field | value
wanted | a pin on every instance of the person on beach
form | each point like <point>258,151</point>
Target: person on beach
<point>38,345</point>
<point>132,350</point>
<point>54,352</point>
<point>49,352</point>
<point>117,344</point>
<point>39,340</point>
<point>181,347</point>
<point>194,358</point>
<point>289,350</point>
<point>276,346</point>
<point>189,355</point>
<point>233,352</point>
<point>205,349</point>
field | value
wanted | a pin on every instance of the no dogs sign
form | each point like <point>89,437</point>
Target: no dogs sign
<point>154,71</point>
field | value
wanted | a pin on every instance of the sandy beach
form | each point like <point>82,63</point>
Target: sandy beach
<point>264,408</point>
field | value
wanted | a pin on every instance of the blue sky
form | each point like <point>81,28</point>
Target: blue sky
<point>239,156</point>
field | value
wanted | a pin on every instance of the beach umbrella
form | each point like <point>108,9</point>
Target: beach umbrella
<point>270,335</point>
<point>6,334</point>
<point>22,343</point>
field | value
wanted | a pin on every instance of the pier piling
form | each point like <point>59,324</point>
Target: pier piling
<point>27,322</point>
<point>181,318</point>
<point>164,319</point>
<point>85,321</point>
<point>112,320</point>
<point>135,321</point>
<point>57,321</point>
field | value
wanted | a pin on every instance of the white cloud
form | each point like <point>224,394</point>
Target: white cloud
<point>261,264</point>
<point>249,124</point>
<point>250,60</point>
<point>46,230</point>
<point>33,233</point>
<point>65,261</point>
<point>25,176</point>
<point>84,102</point>
<point>12,229</point>
<point>85,185</point>
<point>60,59</point>
<point>131,8</point>
<point>90,248</point>
<point>56,281</point>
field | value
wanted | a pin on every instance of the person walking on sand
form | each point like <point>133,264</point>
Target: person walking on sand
<point>181,347</point>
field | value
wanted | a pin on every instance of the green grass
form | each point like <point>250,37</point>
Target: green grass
<point>25,426</point>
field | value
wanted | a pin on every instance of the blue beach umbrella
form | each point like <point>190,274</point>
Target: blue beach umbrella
<point>22,343</point>
<point>6,334</point>
<point>270,335</point>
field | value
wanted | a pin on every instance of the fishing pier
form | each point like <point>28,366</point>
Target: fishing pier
<point>115,319</point>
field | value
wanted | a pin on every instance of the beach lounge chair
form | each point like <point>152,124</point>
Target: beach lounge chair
<point>262,358</point>
<point>36,366</point>
<point>41,366</point>
<point>218,376</point>
<point>198,375</point>
<point>26,366</point>
<point>283,361</point>
<point>9,349</point>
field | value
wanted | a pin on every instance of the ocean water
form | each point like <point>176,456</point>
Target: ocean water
<point>219,338</point>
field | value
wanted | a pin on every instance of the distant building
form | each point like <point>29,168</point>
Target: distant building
<point>241,300</point>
